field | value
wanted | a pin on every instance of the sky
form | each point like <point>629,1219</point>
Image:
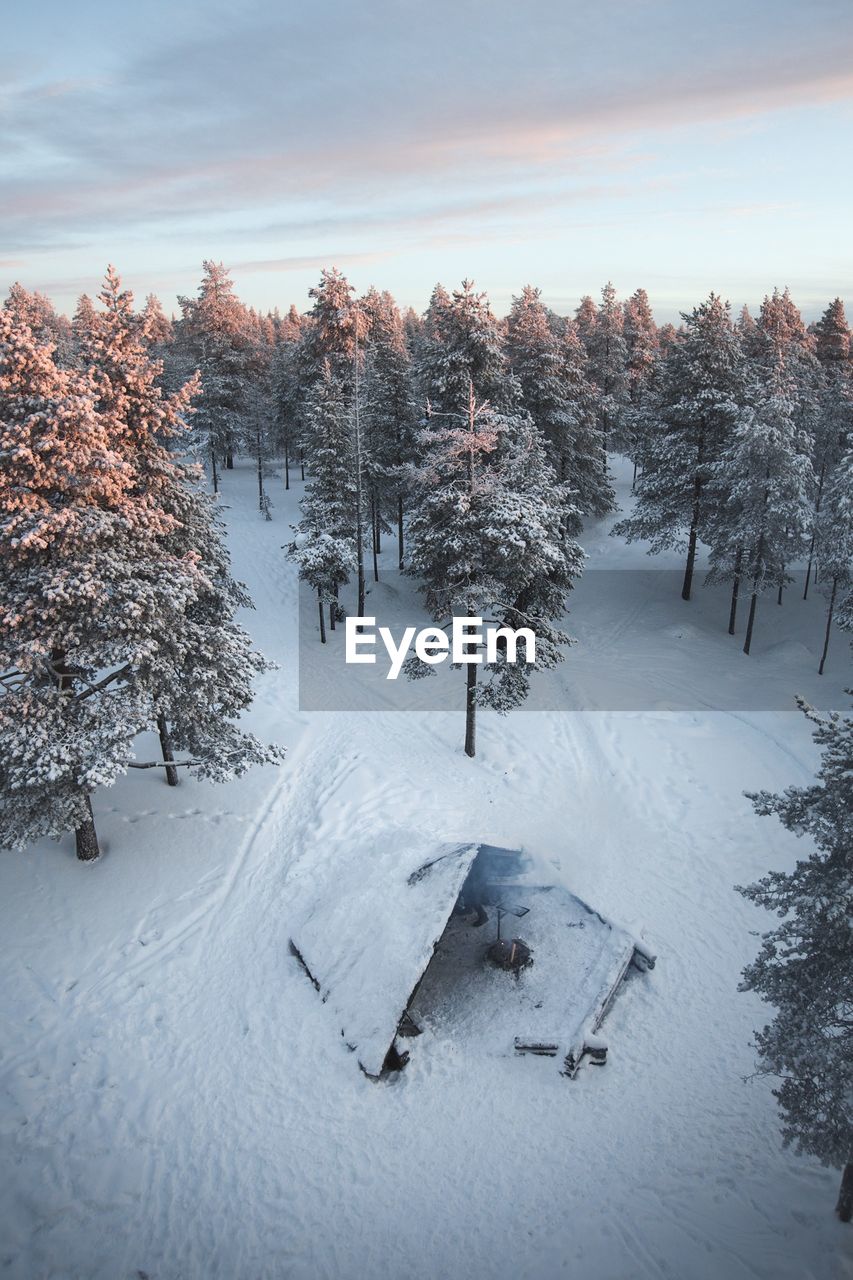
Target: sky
<point>679,146</point>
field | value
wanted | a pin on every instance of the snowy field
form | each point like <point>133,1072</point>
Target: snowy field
<point>175,1102</point>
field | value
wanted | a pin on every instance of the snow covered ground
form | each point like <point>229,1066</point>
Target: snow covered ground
<point>175,1102</point>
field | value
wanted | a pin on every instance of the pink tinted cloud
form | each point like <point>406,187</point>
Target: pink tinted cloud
<point>507,140</point>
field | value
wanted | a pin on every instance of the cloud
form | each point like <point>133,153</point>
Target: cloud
<point>284,137</point>
<point>263,107</point>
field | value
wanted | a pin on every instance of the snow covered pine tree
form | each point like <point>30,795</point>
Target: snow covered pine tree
<point>324,548</point>
<point>215,333</point>
<point>805,965</point>
<point>759,519</point>
<point>491,530</point>
<point>101,587</point>
<point>489,539</point>
<point>698,398</point>
<point>81,576</point>
<point>192,714</point>
<point>552,370</point>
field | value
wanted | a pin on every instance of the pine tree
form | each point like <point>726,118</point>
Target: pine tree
<point>287,405</point>
<point>580,459</point>
<point>832,421</point>
<point>82,323</point>
<point>157,329</point>
<point>38,312</point>
<point>586,322</point>
<point>782,335</point>
<point>120,609</point>
<point>698,400</point>
<point>336,334</point>
<point>748,332</point>
<point>642,355</point>
<point>805,965</point>
<point>87,591</point>
<point>608,358</point>
<point>389,419</point>
<point>215,332</point>
<point>488,539</point>
<point>203,673</point>
<point>761,483</point>
<point>203,642</point>
<point>463,345</point>
<point>333,345</point>
<point>836,541</point>
<point>324,548</point>
<point>832,336</point>
<point>668,335</point>
<point>536,358</point>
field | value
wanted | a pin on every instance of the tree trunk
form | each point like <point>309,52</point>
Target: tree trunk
<point>86,837</point>
<point>302,464</point>
<point>814,528</point>
<point>400,531</point>
<point>359,493</point>
<point>735,591</point>
<point>844,1206</point>
<point>687,585</point>
<point>166,749</point>
<point>752,605</point>
<point>261,503</point>
<point>333,608</point>
<point>215,473</point>
<point>471,711</point>
<point>781,585</point>
<point>829,614</point>
<point>286,465</point>
<point>375,544</point>
<point>322,616</point>
<point>634,477</point>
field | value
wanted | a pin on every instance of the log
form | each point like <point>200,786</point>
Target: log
<point>540,1048</point>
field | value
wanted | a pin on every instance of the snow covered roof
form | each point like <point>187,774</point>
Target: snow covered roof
<point>371,929</point>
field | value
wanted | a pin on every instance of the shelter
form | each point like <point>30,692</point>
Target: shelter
<point>397,938</point>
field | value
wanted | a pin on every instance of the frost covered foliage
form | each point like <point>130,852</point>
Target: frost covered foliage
<point>608,356</point>
<point>698,399</point>
<point>113,579</point>
<point>462,345</point>
<point>388,417</point>
<point>762,482</point>
<point>805,965</point>
<point>492,528</point>
<point>643,351</point>
<point>837,539</point>
<point>489,539</point>
<point>38,312</point>
<point>216,332</point>
<point>202,679</point>
<point>335,333</point>
<point>324,548</point>
<point>84,585</point>
<point>552,369</point>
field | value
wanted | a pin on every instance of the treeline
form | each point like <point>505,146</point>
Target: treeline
<point>739,432</point>
<point>479,445</point>
<point>743,441</point>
